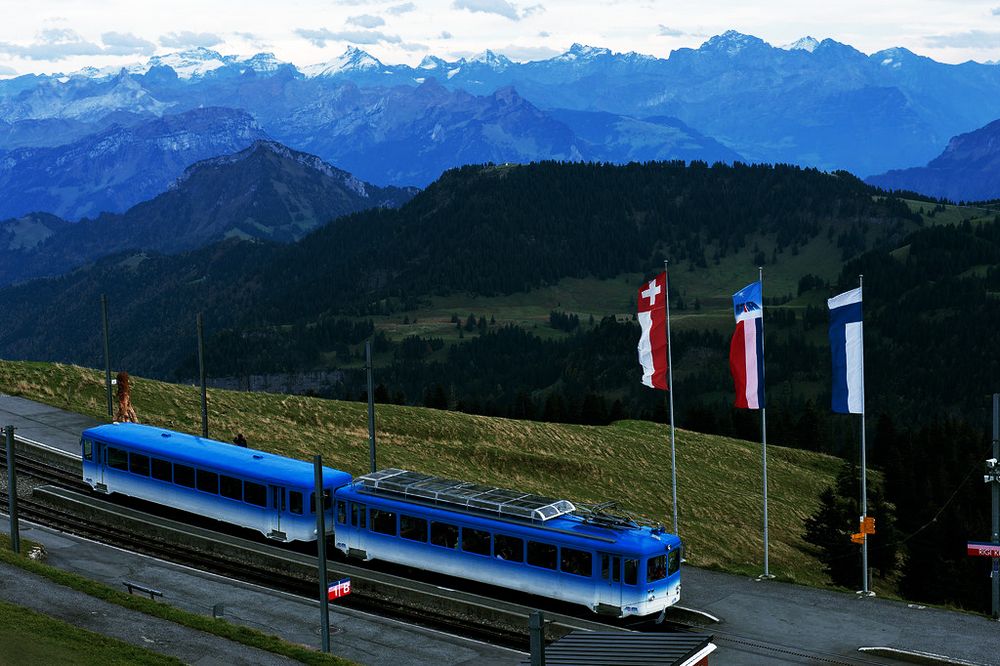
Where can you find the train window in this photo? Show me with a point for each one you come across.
(161, 470)
(443, 534)
(605, 567)
(576, 562)
(656, 568)
(207, 482)
(616, 569)
(341, 512)
(184, 476)
(414, 529)
(631, 572)
(673, 562)
(475, 541)
(327, 501)
(383, 522)
(254, 493)
(542, 555)
(508, 548)
(231, 487)
(138, 464)
(358, 515)
(295, 502)
(117, 458)
(88, 450)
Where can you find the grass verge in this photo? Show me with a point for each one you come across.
(237, 633)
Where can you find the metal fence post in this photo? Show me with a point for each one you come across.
(15, 537)
(201, 376)
(536, 627)
(371, 405)
(324, 605)
(107, 354)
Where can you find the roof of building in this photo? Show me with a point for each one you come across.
(587, 648)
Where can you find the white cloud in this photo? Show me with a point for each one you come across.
(544, 33)
(61, 43)
(995, 11)
(445, 35)
(185, 39)
(366, 21)
(523, 53)
(533, 9)
(975, 39)
(322, 36)
(401, 9)
(125, 43)
(7, 71)
(666, 31)
(498, 7)
(413, 46)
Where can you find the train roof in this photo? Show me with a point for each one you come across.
(215, 455)
(565, 528)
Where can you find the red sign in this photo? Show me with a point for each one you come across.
(980, 549)
(339, 589)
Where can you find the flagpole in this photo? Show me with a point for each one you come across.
(864, 473)
(763, 421)
(670, 386)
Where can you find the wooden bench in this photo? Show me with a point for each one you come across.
(142, 588)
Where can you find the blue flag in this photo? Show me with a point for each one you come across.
(847, 346)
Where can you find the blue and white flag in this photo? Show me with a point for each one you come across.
(847, 345)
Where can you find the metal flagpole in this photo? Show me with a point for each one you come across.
(864, 473)
(763, 420)
(371, 406)
(670, 386)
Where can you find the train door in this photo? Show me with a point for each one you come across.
(609, 589)
(97, 453)
(278, 508)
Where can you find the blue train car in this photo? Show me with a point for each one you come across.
(242, 486)
(524, 542)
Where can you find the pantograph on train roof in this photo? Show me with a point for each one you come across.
(463, 495)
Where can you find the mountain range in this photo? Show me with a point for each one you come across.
(118, 167)
(814, 103)
(266, 191)
(967, 170)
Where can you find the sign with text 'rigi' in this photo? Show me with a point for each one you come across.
(339, 589)
(983, 549)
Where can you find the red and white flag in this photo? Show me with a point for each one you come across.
(653, 341)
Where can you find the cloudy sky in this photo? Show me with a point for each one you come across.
(65, 35)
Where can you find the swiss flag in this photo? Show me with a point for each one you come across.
(653, 341)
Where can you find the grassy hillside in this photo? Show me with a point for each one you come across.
(719, 479)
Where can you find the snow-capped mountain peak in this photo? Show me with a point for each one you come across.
(583, 52)
(261, 62)
(353, 59)
(495, 61)
(190, 63)
(433, 62)
(806, 43)
(732, 43)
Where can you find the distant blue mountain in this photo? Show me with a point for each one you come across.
(967, 170)
(117, 167)
(814, 103)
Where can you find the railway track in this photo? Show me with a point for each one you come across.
(62, 475)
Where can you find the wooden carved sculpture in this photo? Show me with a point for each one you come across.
(125, 411)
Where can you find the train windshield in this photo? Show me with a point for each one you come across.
(656, 568)
(673, 561)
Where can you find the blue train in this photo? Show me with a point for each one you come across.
(525, 542)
